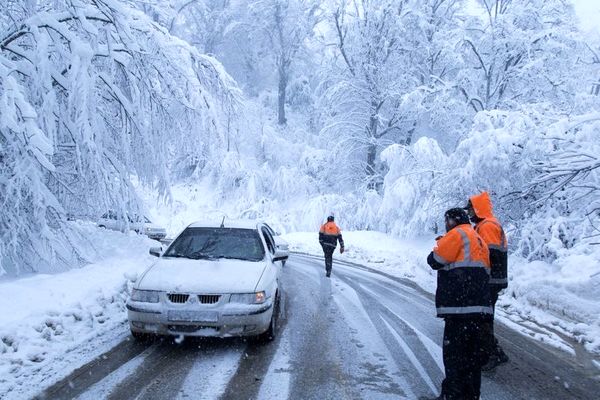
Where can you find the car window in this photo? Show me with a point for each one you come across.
(215, 243)
(269, 240)
(271, 231)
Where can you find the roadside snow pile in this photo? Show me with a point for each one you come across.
(546, 301)
(563, 295)
(44, 319)
(401, 258)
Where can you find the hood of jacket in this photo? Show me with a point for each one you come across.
(482, 205)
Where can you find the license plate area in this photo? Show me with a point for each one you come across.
(192, 316)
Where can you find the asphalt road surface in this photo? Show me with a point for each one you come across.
(358, 335)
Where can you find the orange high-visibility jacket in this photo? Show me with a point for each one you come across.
(330, 234)
(492, 233)
(463, 265)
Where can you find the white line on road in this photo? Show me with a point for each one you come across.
(433, 348)
(411, 356)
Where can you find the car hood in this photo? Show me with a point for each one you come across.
(202, 276)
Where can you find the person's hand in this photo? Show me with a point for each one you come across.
(341, 250)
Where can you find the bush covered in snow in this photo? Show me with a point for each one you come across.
(542, 173)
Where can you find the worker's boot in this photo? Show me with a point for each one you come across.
(499, 357)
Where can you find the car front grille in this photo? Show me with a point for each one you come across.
(209, 298)
(178, 297)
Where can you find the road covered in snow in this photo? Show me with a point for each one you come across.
(359, 335)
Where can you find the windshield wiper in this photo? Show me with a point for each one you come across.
(176, 255)
(201, 256)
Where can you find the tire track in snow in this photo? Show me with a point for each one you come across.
(163, 362)
(210, 373)
(94, 371)
(389, 380)
(408, 349)
(101, 389)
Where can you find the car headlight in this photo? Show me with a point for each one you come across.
(144, 296)
(248, 298)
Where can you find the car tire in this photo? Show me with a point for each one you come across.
(270, 334)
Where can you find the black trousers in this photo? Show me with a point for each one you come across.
(328, 250)
(464, 354)
(493, 348)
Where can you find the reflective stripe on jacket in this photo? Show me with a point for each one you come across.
(493, 235)
(462, 260)
(330, 234)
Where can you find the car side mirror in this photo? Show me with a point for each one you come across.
(155, 251)
(280, 256)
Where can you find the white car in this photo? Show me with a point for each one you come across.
(119, 222)
(214, 279)
(280, 243)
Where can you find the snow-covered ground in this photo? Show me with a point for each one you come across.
(54, 323)
(549, 302)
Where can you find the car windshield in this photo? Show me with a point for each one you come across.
(215, 243)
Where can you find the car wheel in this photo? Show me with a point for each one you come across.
(271, 333)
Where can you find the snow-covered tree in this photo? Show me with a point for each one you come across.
(93, 93)
(519, 52)
(390, 78)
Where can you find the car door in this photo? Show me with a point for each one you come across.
(271, 247)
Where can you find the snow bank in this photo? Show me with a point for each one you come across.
(544, 300)
(402, 258)
(46, 319)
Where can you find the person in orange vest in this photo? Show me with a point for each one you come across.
(462, 299)
(479, 208)
(329, 236)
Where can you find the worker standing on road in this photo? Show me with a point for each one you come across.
(329, 235)
(487, 226)
(463, 299)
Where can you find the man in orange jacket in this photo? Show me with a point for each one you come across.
(487, 226)
(329, 235)
(462, 298)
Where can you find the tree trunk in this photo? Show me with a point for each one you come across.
(371, 156)
(281, 98)
(372, 136)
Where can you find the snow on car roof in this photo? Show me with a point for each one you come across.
(228, 223)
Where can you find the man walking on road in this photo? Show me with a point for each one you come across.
(329, 235)
(462, 298)
(487, 226)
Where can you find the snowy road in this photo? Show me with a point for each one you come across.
(359, 335)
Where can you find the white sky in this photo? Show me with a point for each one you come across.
(589, 13)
